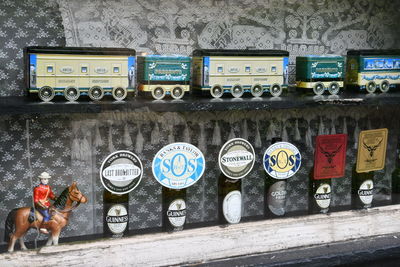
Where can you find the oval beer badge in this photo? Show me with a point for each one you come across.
(178, 165)
(282, 160)
(177, 212)
(117, 219)
(121, 172)
(232, 207)
(236, 158)
(323, 196)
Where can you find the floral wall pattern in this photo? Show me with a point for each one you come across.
(28, 147)
(179, 27)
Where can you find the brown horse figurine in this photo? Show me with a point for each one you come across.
(17, 219)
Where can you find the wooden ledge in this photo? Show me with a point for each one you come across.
(210, 243)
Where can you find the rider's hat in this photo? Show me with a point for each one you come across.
(44, 175)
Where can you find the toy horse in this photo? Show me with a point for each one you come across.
(17, 222)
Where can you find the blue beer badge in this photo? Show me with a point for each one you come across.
(178, 165)
(121, 172)
(236, 158)
(282, 160)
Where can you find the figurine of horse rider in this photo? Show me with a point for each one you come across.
(41, 195)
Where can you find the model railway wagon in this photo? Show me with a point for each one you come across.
(164, 75)
(373, 69)
(72, 72)
(240, 71)
(320, 73)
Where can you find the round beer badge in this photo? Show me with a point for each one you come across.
(236, 158)
(282, 160)
(121, 172)
(178, 165)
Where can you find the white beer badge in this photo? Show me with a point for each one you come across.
(178, 165)
(236, 158)
(323, 196)
(366, 192)
(232, 207)
(117, 219)
(282, 160)
(177, 212)
(121, 172)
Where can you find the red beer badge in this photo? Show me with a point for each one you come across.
(330, 156)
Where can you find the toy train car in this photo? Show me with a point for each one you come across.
(72, 72)
(320, 73)
(373, 69)
(96, 72)
(240, 71)
(164, 75)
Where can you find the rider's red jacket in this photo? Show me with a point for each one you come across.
(43, 192)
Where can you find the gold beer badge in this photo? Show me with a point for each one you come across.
(371, 150)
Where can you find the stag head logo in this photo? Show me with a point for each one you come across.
(372, 149)
(179, 205)
(325, 189)
(369, 186)
(330, 155)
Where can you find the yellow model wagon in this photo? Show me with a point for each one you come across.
(239, 71)
(72, 72)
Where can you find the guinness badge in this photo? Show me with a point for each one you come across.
(323, 196)
(121, 172)
(117, 219)
(236, 158)
(177, 212)
(371, 150)
(282, 160)
(330, 156)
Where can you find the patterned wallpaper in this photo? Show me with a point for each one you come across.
(179, 27)
(83, 141)
(25, 23)
(171, 26)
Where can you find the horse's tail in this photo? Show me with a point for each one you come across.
(9, 225)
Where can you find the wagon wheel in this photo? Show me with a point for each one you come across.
(276, 90)
(96, 93)
(46, 93)
(257, 90)
(177, 92)
(119, 93)
(71, 93)
(385, 86)
(158, 93)
(334, 88)
(319, 88)
(371, 87)
(217, 91)
(237, 91)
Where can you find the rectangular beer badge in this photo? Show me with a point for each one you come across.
(330, 156)
(371, 150)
